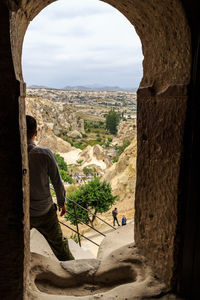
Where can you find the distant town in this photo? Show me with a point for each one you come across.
(95, 103)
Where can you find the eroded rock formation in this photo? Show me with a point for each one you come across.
(127, 131)
(59, 117)
(122, 174)
(95, 157)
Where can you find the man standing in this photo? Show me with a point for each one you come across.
(43, 216)
(114, 214)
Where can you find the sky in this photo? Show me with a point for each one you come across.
(81, 42)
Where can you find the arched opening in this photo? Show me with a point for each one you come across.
(160, 135)
(69, 52)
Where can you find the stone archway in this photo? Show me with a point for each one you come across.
(162, 104)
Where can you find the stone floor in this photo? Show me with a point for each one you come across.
(119, 272)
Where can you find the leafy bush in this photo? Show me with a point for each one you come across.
(120, 149)
(115, 159)
(69, 179)
(63, 175)
(60, 161)
(88, 171)
(79, 161)
(63, 168)
(107, 143)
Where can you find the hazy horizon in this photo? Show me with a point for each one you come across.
(92, 86)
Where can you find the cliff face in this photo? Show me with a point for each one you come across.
(53, 119)
(122, 175)
(95, 157)
(127, 131)
(48, 139)
(58, 116)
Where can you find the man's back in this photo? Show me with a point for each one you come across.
(43, 214)
(114, 213)
(43, 166)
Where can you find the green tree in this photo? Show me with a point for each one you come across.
(61, 163)
(63, 175)
(62, 168)
(95, 196)
(112, 120)
(69, 179)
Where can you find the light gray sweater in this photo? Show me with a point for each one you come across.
(42, 166)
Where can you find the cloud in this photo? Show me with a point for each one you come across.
(73, 8)
(72, 42)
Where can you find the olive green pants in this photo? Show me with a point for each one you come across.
(49, 226)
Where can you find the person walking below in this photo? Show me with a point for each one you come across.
(43, 215)
(114, 214)
(124, 221)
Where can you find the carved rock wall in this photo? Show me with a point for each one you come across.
(122, 174)
(161, 120)
(165, 36)
(11, 208)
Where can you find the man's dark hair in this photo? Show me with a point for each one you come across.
(31, 126)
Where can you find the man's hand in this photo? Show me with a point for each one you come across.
(62, 210)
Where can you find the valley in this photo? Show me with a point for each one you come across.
(73, 125)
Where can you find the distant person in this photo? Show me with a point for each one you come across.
(124, 221)
(114, 214)
(43, 215)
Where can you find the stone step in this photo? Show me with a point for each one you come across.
(78, 252)
(38, 244)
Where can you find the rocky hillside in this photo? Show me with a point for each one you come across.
(58, 118)
(95, 157)
(90, 157)
(54, 119)
(127, 131)
(122, 174)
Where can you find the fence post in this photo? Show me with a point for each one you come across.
(79, 240)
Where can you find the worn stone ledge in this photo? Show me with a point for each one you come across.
(178, 90)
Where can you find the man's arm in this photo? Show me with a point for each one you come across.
(57, 182)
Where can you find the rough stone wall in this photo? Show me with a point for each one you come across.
(25, 184)
(161, 121)
(11, 210)
(162, 104)
(165, 38)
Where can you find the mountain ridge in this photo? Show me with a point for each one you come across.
(86, 88)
